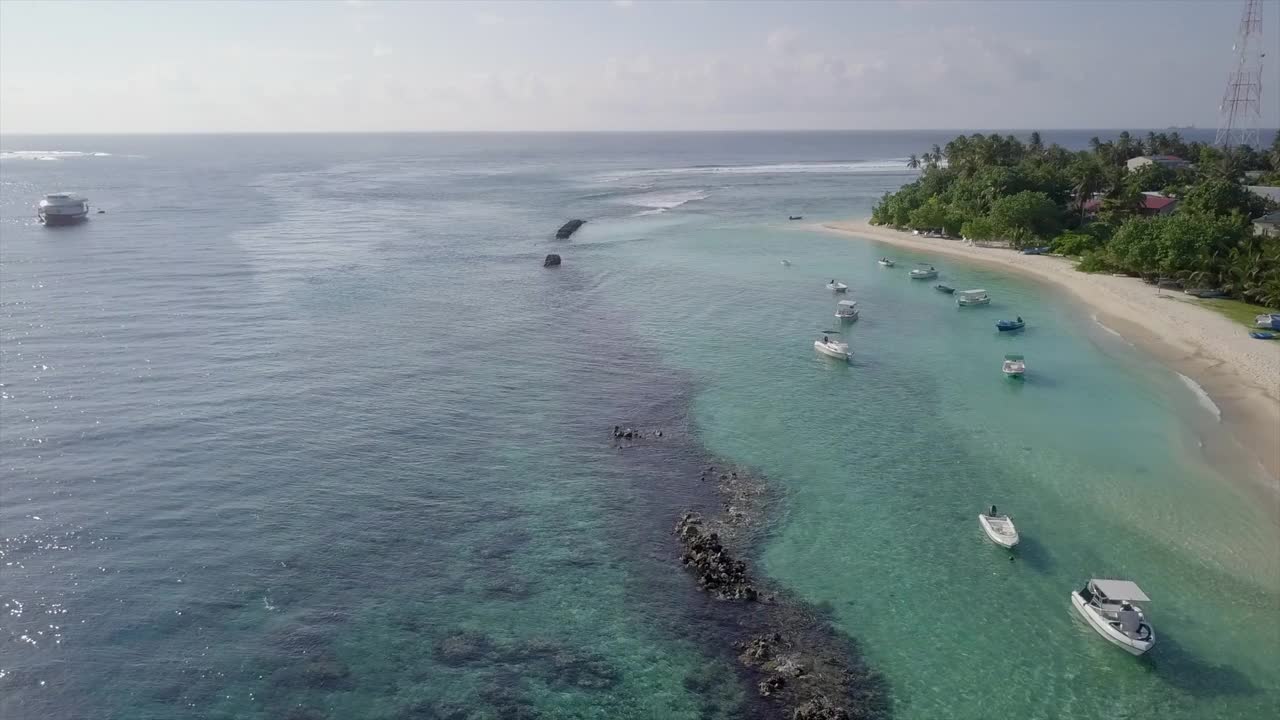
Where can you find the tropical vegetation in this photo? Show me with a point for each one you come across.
(1088, 204)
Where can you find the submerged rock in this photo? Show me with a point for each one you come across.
(466, 646)
(568, 229)
(552, 260)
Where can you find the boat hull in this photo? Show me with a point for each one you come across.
(1105, 629)
(848, 318)
(838, 288)
(1004, 541)
(923, 276)
(973, 303)
(831, 352)
(63, 218)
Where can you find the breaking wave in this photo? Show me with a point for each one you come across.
(1201, 395)
(660, 202)
(828, 168)
(48, 154)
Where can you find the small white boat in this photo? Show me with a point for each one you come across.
(967, 298)
(999, 528)
(1107, 605)
(886, 262)
(832, 347)
(1270, 321)
(62, 209)
(834, 286)
(847, 310)
(922, 273)
(786, 263)
(1014, 366)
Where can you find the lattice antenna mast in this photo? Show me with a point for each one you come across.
(1241, 109)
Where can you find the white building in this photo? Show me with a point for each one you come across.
(1173, 162)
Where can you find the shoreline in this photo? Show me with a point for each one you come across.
(1241, 375)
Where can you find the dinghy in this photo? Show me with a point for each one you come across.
(999, 528)
(831, 347)
(834, 286)
(1010, 325)
(886, 262)
(1014, 366)
(944, 289)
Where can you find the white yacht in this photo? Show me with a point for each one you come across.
(834, 286)
(62, 208)
(999, 528)
(832, 347)
(847, 309)
(924, 273)
(967, 298)
(1108, 607)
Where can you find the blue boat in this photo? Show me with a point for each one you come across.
(1010, 325)
(1263, 335)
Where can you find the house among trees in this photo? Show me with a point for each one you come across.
(1268, 225)
(1169, 162)
(1150, 204)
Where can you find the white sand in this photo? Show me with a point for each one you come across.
(1240, 374)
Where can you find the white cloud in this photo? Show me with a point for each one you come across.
(623, 3)
(488, 18)
(380, 50)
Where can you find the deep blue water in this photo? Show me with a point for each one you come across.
(300, 414)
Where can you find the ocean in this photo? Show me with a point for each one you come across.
(300, 427)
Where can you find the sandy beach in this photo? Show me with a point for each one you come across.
(1240, 374)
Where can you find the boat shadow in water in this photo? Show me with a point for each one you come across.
(1174, 664)
(1034, 554)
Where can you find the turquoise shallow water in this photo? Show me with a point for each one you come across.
(302, 428)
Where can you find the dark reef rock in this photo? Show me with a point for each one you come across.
(568, 229)
(820, 708)
(717, 571)
(628, 435)
(552, 260)
(770, 686)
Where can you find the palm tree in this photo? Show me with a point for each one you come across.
(1035, 143)
(1087, 179)
(1124, 145)
(913, 162)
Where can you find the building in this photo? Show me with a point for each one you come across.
(1172, 162)
(1266, 191)
(1152, 204)
(1268, 224)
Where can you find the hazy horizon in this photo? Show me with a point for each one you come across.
(363, 67)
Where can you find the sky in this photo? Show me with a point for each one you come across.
(363, 65)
